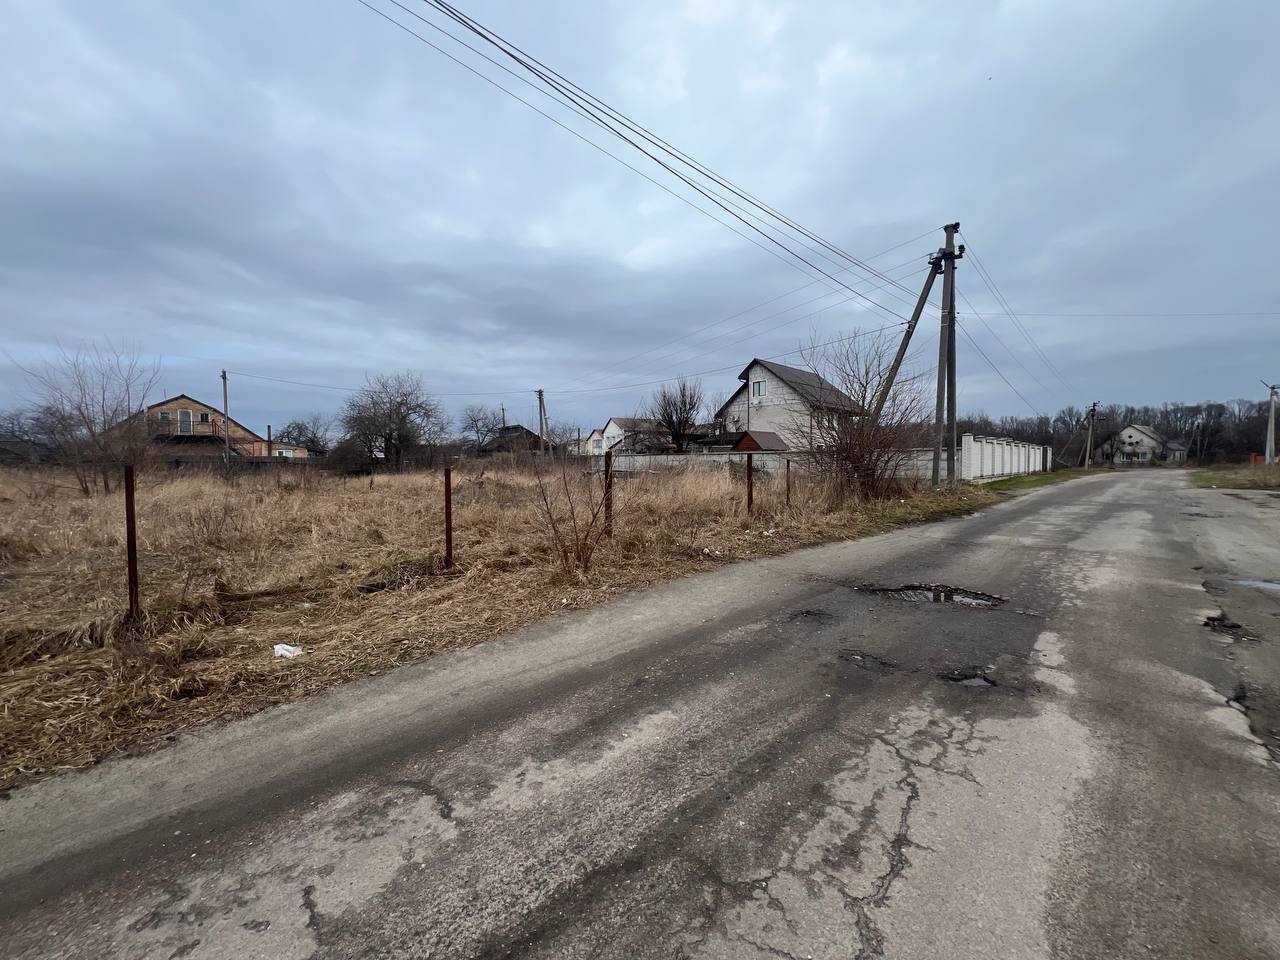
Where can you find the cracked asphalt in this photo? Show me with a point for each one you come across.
(764, 761)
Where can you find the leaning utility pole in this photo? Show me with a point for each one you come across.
(1271, 422)
(226, 422)
(945, 408)
(935, 268)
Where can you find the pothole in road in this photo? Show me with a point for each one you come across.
(967, 678)
(1221, 623)
(939, 593)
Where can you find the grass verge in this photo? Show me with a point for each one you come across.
(1031, 481)
(1239, 477)
(347, 570)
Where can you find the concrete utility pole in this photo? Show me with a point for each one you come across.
(935, 263)
(1088, 443)
(226, 422)
(1271, 422)
(542, 422)
(945, 408)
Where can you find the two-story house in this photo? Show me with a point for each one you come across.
(191, 428)
(786, 401)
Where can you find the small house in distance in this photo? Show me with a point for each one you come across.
(782, 401)
(515, 438)
(634, 435)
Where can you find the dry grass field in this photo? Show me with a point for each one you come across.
(348, 571)
(1239, 477)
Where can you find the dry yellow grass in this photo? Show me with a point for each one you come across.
(349, 572)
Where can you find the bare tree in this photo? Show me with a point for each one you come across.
(842, 441)
(392, 415)
(677, 407)
(314, 432)
(480, 424)
(89, 404)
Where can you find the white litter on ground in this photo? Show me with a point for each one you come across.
(285, 650)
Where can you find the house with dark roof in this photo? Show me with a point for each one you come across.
(783, 402)
(1138, 444)
(514, 438)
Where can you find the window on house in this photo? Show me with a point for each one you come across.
(758, 388)
(164, 415)
(204, 418)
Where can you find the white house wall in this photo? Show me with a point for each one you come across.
(780, 411)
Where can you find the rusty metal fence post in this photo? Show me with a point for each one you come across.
(788, 483)
(448, 518)
(131, 543)
(750, 484)
(608, 493)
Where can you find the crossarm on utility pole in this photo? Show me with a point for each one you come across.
(935, 267)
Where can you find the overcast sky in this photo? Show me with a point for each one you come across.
(300, 190)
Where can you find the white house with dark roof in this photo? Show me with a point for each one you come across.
(1139, 443)
(782, 400)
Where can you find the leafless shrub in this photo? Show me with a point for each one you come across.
(89, 406)
(571, 507)
(676, 408)
(863, 456)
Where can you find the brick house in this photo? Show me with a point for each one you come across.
(188, 427)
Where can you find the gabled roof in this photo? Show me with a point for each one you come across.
(207, 406)
(815, 390)
(1149, 431)
(635, 423)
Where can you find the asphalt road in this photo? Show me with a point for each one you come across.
(765, 761)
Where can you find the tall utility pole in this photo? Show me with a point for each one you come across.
(1271, 421)
(1087, 457)
(542, 422)
(945, 408)
(226, 422)
(503, 408)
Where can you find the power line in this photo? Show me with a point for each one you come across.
(720, 336)
(1004, 303)
(1007, 348)
(587, 100)
(983, 353)
(589, 111)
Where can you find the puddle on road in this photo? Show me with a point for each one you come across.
(1272, 586)
(939, 593)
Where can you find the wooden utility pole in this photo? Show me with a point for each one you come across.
(226, 422)
(503, 408)
(1270, 456)
(935, 264)
(944, 421)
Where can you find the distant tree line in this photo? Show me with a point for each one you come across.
(1213, 431)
